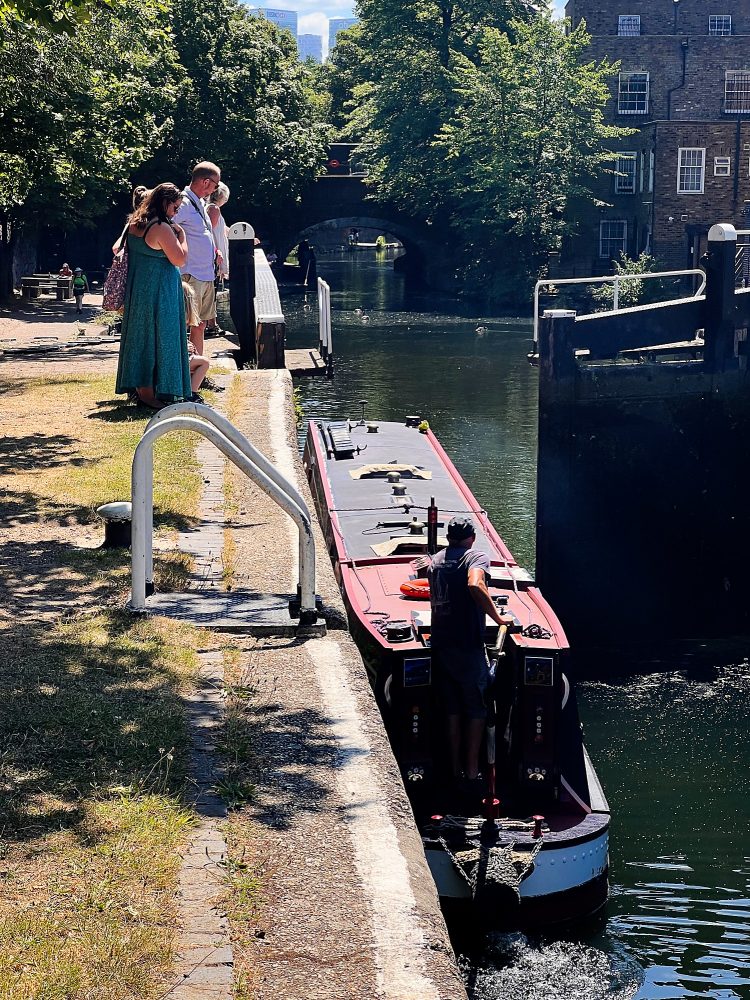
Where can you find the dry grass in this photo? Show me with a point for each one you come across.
(68, 444)
(93, 763)
(93, 737)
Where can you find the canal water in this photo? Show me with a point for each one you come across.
(672, 749)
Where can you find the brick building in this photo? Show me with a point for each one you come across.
(684, 84)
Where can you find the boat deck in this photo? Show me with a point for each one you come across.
(376, 547)
(365, 505)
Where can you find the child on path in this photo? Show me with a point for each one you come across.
(80, 285)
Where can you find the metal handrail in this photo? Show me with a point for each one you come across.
(239, 441)
(616, 279)
(142, 499)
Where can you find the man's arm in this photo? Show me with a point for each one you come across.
(481, 596)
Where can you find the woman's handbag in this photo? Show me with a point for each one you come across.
(117, 276)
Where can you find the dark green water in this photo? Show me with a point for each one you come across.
(672, 749)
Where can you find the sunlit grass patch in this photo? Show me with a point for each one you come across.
(92, 765)
(77, 452)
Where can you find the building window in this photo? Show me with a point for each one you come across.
(651, 161)
(625, 173)
(642, 173)
(613, 237)
(737, 91)
(722, 166)
(720, 24)
(690, 170)
(632, 96)
(629, 24)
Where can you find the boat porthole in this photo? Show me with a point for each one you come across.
(387, 689)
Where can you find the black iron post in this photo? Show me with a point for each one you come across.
(242, 289)
(718, 351)
(557, 382)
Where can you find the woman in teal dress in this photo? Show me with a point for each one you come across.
(153, 359)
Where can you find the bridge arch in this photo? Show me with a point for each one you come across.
(414, 253)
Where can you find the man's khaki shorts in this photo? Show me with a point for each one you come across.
(205, 296)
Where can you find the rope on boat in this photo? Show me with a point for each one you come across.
(487, 869)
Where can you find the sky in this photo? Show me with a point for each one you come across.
(314, 14)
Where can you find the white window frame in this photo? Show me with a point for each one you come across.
(651, 166)
(643, 171)
(722, 166)
(623, 240)
(625, 171)
(626, 22)
(684, 156)
(632, 102)
(720, 25)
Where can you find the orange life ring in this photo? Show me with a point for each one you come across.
(416, 590)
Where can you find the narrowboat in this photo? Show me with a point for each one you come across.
(533, 850)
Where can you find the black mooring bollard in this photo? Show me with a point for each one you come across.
(117, 517)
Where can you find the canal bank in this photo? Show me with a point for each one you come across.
(324, 887)
(346, 906)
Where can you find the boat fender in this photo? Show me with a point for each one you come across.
(416, 590)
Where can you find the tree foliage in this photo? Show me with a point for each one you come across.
(527, 135)
(77, 114)
(409, 53)
(62, 16)
(483, 118)
(141, 91)
(248, 105)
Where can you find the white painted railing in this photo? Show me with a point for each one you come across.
(324, 324)
(202, 420)
(616, 280)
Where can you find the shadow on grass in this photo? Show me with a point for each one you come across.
(36, 452)
(117, 411)
(87, 707)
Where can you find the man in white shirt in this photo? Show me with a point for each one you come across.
(203, 257)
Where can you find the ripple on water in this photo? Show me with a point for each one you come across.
(514, 967)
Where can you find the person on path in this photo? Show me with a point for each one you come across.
(203, 258)
(153, 360)
(219, 198)
(80, 287)
(460, 602)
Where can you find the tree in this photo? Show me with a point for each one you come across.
(527, 135)
(248, 106)
(76, 115)
(410, 49)
(54, 15)
(338, 77)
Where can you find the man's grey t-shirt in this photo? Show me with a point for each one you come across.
(457, 620)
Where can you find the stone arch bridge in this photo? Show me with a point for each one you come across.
(338, 201)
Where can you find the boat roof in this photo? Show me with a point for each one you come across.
(371, 511)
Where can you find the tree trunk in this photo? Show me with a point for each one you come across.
(7, 244)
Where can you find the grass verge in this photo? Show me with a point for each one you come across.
(93, 763)
(93, 736)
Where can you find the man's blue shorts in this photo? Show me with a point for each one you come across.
(462, 680)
